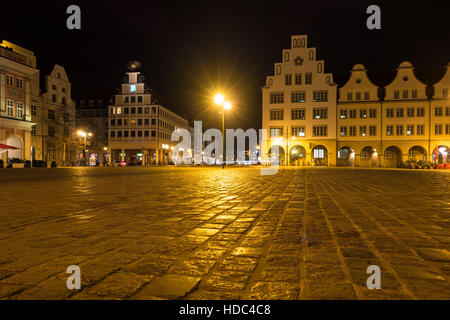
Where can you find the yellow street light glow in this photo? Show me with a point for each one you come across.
(81, 133)
(105, 148)
(219, 99)
(89, 134)
(227, 105)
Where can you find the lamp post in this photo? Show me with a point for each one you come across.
(84, 135)
(219, 99)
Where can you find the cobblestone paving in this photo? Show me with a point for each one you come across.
(208, 233)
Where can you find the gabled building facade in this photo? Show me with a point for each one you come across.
(299, 108)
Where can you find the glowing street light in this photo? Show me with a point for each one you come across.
(219, 99)
(84, 135)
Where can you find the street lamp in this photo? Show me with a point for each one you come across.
(219, 99)
(84, 135)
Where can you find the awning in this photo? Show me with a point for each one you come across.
(5, 147)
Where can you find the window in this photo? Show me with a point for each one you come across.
(445, 92)
(352, 114)
(308, 78)
(389, 130)
(298, 96)
(51, 131)
(447, 129)
(410, 130)
(146, 121)
(51, 114)
(389, 113)
(343, 131)
(414, 94)
(319, 68)
(276, 131)
(438, 112)
(400, 112)
(405, 94)
(373, 113)
(358, 96)
(133, 99)
(63, 101)
(363, 131)
(410, 112)
(286, 56)
(277, 97)
(311, 55)
(125, 134)
(373, 130)
(288, 79)
(278, 70)
(399, 130)
(133, 110)
(119, 122)
(298, 114)
(349, 96)
(320, 95)
(33, 110)
(140, 99)
(139, 133)
(127, 100)
(33, 130)
(320, 113)
(19, 83)
(66, 117)
(396, 94)
(420, 129)
(153, 133)
(366, 95)
(447, 112)
(320, 131)
(63, 90)
(319, 154)
(420, 112)
(139, 110)
(298, 131)
(153, 122)
(19, 109)
(146, 133)
(9, 81)
(352, 131)
(139, 122)
(298, 78)
(113, 122)
(363, 113)
(438, 129)
(119, 134)
(343, 114)
(112, 134)
(54, 97)
(133, 133)
(276, 114)
(133, 88)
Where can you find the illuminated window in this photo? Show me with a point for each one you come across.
(133, 88)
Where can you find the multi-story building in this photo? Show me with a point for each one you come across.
(92, 117)
(440, 119)
(358, 118)
(54, 130)
(299, 108)
(139, 130)
(19, 93)
(408, 124)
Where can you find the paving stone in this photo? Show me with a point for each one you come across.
(274, 291)
(169, 287)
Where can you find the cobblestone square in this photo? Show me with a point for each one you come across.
(208, 233)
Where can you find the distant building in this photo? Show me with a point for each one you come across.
(92, 117)
(139, 130)
(299, 108)
(19, 96)
(55, 120)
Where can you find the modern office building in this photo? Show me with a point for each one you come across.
(299, 108)
(140, 130)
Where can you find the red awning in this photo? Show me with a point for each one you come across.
(6, 147)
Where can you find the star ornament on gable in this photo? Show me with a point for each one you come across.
(298, 61)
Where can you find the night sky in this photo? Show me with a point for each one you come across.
(190, 49)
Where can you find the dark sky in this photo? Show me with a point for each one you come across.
(189, 49)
